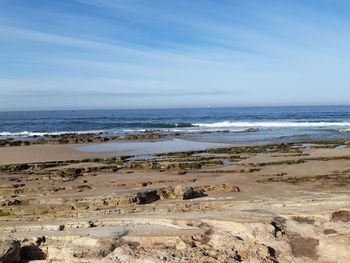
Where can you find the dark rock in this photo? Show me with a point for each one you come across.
(21, 167)
(251, 130)
(304, 220)
(31, 252)
(329, 231)
(147, 197)
(14, 202)
(187, 192)
(10, 251)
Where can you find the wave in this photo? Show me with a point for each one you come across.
(225, 126)
(344, 130)
(40, 134)
(169, 125)
(228, 124)
(193, 129)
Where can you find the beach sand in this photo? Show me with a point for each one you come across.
(47, 152)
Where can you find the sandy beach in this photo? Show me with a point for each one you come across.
(267, 203)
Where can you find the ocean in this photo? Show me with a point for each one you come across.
(224, 125)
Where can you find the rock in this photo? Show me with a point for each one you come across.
(10, 251)
(179, 192)
(329, 231)
(251, 130)
(14, 202)
(211, 253)
(185, 165)
(279, 231)
(304, 247)
(218, 187)
(187, 192)
(22, 167)
(166, 193)
(180, 245)
(142, 136)
(32, 252)
(147, 197)
(342, 215)
(304, 220)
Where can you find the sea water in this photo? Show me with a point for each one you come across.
(224, 125)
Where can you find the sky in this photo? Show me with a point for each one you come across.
(106, 54)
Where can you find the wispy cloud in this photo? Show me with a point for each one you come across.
(226, 52)
(99, 87)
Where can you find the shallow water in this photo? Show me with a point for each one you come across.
(147, 148)
(227, 162)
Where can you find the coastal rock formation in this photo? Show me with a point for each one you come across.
(10, 251)
(342, 216)
(270, 203)
(73, 138)
(188, 192)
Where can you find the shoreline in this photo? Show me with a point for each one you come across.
(61, 152)
(47, 152)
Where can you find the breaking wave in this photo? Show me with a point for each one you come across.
(32, 134)
(228, 124)
(225, 126)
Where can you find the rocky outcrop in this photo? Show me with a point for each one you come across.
(130, 210)
(147, 197)
(185, 166)
(187, 192)
(218, 187)
(73, 138)
(342, 216)
(179, 192)
(10, 251)
(32, 251)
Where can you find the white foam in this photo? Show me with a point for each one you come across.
(344, 130)
(228, 124)
(135, 130)
(31, 134)
(186, 129)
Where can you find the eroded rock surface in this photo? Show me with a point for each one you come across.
(271, 203)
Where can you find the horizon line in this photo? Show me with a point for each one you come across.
(179, 108)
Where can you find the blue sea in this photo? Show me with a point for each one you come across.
(226, 125)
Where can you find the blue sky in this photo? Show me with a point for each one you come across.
(87, 54)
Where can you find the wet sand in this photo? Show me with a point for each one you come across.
(40, 153)
(45, 152)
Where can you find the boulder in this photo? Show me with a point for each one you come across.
(187, 192)
(147, 197)
(10, 251)
(341, 215)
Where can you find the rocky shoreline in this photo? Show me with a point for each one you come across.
(73, 138)
(83, 138)
(266, 203)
